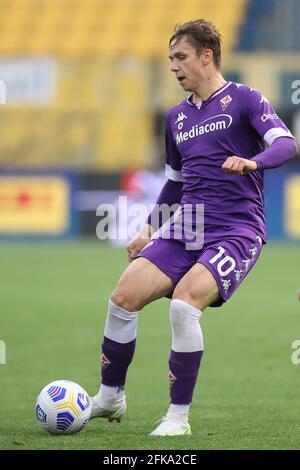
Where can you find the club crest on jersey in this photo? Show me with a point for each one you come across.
(179, 120)
(104, 361)
(225, 101)
(171, 378)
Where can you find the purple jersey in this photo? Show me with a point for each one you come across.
(235, 120)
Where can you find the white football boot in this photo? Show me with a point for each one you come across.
(112, 409)
(172, 425)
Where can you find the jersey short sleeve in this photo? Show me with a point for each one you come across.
(264, 119)
(173, 158)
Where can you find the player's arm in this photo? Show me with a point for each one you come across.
(139, 241)
(281, 143)
(235, 165)
(169, 196)
(280, 151)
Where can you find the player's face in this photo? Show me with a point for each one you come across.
(186, 64)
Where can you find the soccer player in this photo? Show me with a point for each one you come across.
(219, 141)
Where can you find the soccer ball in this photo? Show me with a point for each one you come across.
(63, 407)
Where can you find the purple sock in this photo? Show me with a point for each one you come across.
(115, 360)
(184, 368)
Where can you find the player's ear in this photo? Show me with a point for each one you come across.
(207, 56)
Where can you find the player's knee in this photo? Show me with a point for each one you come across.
(199, 300)
(195, 301)
(125, 299)
(177, 316)
(183, 318)
(187, 297)
(179, 312)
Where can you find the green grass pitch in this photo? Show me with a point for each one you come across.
(53, 307)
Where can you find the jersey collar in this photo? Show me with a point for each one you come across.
(217, 92)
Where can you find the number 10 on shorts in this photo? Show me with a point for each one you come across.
(224, 260)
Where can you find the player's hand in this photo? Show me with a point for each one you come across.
(238, 166)
(139, 242)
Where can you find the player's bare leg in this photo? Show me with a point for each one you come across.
(194, 292)
(140, 284)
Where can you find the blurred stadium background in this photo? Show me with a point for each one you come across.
(87, 86)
